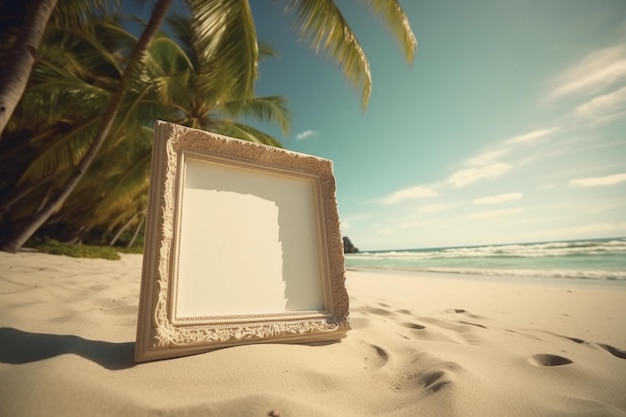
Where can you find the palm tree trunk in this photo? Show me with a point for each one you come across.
(22, 57)
(137, 230)
(122, 228)
(17, 240)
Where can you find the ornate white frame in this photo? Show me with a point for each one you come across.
(160, 333)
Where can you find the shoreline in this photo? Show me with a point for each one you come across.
(618, 285)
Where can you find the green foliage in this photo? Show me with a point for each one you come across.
(54, 247)
(202, 77)
(77, 71)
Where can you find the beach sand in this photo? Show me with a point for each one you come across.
(421, 345)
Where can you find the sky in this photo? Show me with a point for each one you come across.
(509, 126)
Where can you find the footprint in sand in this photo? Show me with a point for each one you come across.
(472, 324)
(546, 359)
(618, 353)
(429, 382)
(462, 311)
(428, 374)
(413, 326)
(434, 381)
(575, 339)
(450, 331)
(376, 310)
(376, 358)
(435, 332)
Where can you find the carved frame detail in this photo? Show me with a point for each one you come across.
(158, 335)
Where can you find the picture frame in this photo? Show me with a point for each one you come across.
(242, 245)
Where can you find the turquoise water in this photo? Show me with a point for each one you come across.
(598, 259)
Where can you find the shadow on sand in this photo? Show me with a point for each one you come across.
(18, 347)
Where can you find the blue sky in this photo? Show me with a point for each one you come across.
(509, 126)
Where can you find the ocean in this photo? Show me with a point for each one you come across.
(597, 259)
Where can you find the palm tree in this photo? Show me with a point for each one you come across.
(170, 83)
(56, 101)
(229, 25)
(16, 241)
(219, 110)
(72, 82)
(20, 58)
(78, 71)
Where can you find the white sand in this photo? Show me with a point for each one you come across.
(425, 345)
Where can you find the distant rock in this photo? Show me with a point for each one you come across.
(348, 247)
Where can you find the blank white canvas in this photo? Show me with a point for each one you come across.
(236, 226)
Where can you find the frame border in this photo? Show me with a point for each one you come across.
(158, 337)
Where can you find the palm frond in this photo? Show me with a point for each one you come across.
(224, 38)
(118, 176)
(166, 55)
(398, 23)
(126, 187)
(169, 70)
(180, 26)
(266, 109)
(78, 13)
(139, 110)
(267, 51)
(48, 77)
(322, 24)
(241, 131)
(60, 152)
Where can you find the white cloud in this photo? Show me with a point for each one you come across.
(494, 214)
(542, 154)
(593, 73)
(490, 157)
(598, 181)
(307, 134)
(529, 137)
(470, 175)
(497, 199)
(606, 106)
(486, 157)
(409, 194)
(432, 208)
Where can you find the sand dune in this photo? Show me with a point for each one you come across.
(420, 345)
